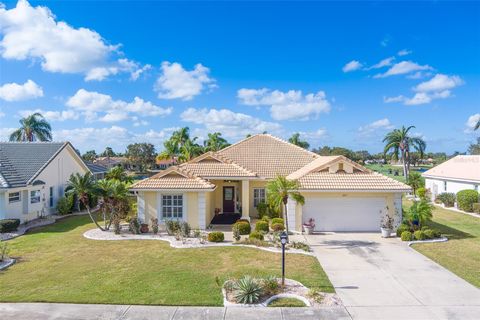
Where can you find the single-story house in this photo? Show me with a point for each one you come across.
(110, 162)
(33, 176)
(340, 194)
(98, 171)
(456, 174)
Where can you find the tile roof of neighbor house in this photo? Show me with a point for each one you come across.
(460, 167)
(20, 162)
(173, 178)
(95, 167)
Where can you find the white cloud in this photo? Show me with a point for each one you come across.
(92, 103)
(52, 115)
(384, 63)
(2, 114)
(33, 33)
(404, 52)
(403, 67)
(374, 127)
(472, 122)
(177, 83)
(399, 98)
(5, 133)
(229, 123)
(439, 82)
(20, 92)
(419, 98)
(286, 105)
(352, 66)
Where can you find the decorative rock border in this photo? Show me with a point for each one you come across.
(7, 263)
(442, 239)
(97, 234)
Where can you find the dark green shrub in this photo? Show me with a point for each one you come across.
(419, 235)
(216, 236)
(244, 227)
(406, 236)
(476, 207)
(466, 199)
(436, 233)
(273, 212)
(256, 235)
(261, 226)
(401, 228)
(9, 225)
(429, 234)
(447, 198)
(65, 205)
(262, 209)
(278, 227)
(172, 227)
(278, 220)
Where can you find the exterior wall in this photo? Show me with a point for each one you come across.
(436, 186)
(209, 207)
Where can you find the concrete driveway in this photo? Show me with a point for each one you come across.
(385, 279)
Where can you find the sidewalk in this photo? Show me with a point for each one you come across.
(43, 311)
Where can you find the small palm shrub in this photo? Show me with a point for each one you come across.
(247, 290)
(172, 227)
(278, 227)
(447, 198)
(216, 236)
(256, 235)
(270, 285)
(422, 193)
(236, 232)
(466, 199)
(243, 227)
(261, 226)
(419, 235)
(278, 220)
(406, 236)
(134, 226)
(154, 225)
(262, 209)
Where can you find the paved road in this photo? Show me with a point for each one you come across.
(42, 311)
(385, 279)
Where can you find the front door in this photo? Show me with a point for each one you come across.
(228, 199)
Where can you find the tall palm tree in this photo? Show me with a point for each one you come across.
(295, 139)
(181, 136)
(398, 142)
(190, 150)
(83, 187)
(104, 189)
(33, 127)
(415, 181)
(170, 151)
(215, 142)
(119, 174)
(278, 192)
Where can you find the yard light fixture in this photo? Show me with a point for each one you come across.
(283, 240)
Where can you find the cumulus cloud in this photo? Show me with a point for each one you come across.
(403, 67)
(20, 92)
(472, 122)
(292, 104)
(383, 63)
(34, 33)
(375, 127)
(102, 107)
(229, 123)
(177, 83)
(352, 66)
(404, 52)
(52, 115)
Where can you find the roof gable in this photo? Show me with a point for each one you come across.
(465, 167)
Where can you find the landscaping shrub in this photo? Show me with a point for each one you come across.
(262, 209)
(429, 234)
(436, 233)
(422, 192)
(134, 226)
(243, 227)
(65, 205)
(266, 219)
(277, 220)
(185, 229)
(466, 199)
(256, 235)
(278, 227)
(9, 225)
(447, 198)
(476, 207)
(116, 225)
(247, 290)
(255, 242)
(154, 225)
(242, 220)
(273, 212)
(261, 226)
(419, 235)
(401, 228)
(216, 236)
(406, 236)
(236, 232)
(270, 285)
(299, 245)
(172, 227)
(315, 294)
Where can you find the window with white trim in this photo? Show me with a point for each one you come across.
(172, 206)
(14, 197)
(35, 196)
(258, 196)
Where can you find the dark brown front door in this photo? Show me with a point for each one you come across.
(228, 199)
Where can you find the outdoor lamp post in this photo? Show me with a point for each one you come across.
(283, 240)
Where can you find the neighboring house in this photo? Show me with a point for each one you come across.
(99, 172)
(164, 164)
(340, 194)
(456, 174)
(33, 176)
(110, 162)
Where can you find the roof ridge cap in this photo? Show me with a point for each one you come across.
(289, 143)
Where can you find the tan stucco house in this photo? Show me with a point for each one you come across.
(340, 194)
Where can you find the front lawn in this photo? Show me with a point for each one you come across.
(461, 254)
(57, 264)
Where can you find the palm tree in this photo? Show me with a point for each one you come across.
(170, 151)
(295, 139)
(83, 187)
(104, 188)
(33, 127)
(278, 192)
(181, 136)
(190, 150)
(399, 141)
(119, 174)
(415, 181)
(421, 212)
(215, 142)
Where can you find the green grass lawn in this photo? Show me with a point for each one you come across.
(287, 302)
(384, 169)
(57, 264)
(461, 254)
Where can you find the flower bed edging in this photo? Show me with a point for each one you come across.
(7, 263)
(288, 295)
(442, 239)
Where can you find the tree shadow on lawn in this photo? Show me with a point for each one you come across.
(449, 232)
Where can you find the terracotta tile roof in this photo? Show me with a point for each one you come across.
(173, 178)
(216, 169)
(325, 181)
(267, 155)
(459, 167)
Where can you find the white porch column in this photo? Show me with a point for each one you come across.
(202, 211)
(291, 206)
(141, 207)
(246, 199)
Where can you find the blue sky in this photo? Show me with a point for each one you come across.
(112, 73)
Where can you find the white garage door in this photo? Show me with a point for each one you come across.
(344, 214)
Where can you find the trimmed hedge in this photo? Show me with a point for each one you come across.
(429, 234)
(216, 236)
(262, 209)
(9, 225)
(406, 236)
(256, 235)
(466, 199)
(401, 228)
(277, 220)
(261, 226)
(278, 227)
(243, 227)
(419, 235)
(447, 198)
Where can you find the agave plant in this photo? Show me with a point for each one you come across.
(247, 290)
